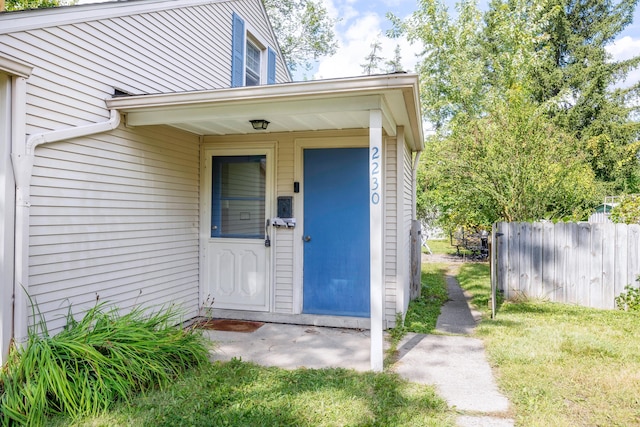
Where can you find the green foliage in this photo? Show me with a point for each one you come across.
(520, 60)
(237, 393)
(576, 77)
(36, 4)
(373, 59)
(512, 164)
(451, 71)
(627, 210)
(304, 30)
(394, 65)
(629, 300)
(94, 362)
(423, 312)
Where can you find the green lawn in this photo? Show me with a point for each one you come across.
(424, 311)
(243, 394)
(561, 365)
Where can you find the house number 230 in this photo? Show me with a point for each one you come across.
(375, 173)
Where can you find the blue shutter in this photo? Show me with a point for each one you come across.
(271, 66)
(237, 52)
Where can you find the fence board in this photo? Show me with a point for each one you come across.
(513, 261)
(594, 293)
(548, 260)
(525, 258)
(622, 237)
(560, 250)
(502, 237)
(579, 263)
(537, 272)
(633, 264)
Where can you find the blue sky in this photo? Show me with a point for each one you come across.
(361, 21)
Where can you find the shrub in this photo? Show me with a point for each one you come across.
(94, 362)
(629, 300)
(627, 211)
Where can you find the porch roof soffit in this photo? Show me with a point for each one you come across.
(304, 106)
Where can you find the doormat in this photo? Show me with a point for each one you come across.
(229, 325)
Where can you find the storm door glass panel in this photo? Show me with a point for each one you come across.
(238, 197)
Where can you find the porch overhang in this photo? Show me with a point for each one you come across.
(289, 107)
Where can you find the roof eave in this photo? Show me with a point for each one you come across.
(407, 84)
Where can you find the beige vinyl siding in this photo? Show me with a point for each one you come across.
(392, 228)
(284, 253)
(408, 200)
(78, 65)
(115, 218)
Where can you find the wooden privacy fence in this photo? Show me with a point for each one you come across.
(588, 264)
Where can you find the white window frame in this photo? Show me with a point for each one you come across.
(250, 38)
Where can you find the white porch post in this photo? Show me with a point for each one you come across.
(22, 166)
(7, 215)
(376, 250)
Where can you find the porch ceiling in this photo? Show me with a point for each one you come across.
(304, 106)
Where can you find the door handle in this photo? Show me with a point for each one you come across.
(267, 240)
(307, 238)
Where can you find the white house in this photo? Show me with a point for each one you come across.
(130, 171)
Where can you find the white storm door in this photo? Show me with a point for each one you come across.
(237, 256)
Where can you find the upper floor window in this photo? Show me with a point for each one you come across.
(252, 76)
(252, 64)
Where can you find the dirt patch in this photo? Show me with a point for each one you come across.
(229, 325)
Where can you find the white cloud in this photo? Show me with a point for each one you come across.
(626, 48)
(355, 36)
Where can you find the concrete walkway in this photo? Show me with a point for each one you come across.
(454, 363)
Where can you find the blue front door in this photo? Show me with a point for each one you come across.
(336, 232)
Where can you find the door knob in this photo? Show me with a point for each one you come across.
(307, 238)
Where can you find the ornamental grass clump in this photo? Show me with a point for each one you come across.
(94, 362)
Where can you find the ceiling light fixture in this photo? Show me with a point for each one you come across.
(259, 124)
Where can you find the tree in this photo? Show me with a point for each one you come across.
(373, 60)
(395, 65)
(576, 78)
(304, 30)
(552, 54)
(627, 210)
(451, 69)
(512, 164)
(35, 4)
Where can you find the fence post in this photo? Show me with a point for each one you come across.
(493, 268)
(416, 260)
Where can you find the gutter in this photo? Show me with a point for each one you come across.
(22, 157)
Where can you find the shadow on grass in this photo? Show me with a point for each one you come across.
(236, 393)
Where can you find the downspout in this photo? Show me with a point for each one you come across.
(22, 157)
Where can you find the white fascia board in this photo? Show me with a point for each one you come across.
(309, 89)
(24, 20)
(15, 67)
